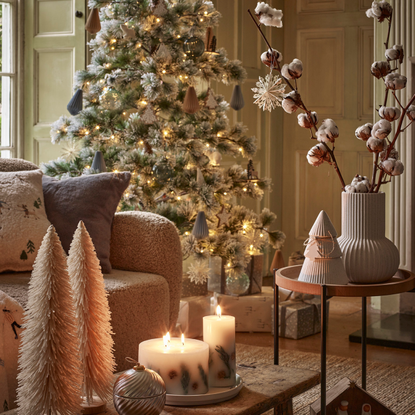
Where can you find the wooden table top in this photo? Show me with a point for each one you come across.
(265, 386)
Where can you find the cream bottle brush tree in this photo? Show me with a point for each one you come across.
(144, 108)
(50, 378)
(92, 316)
(268, 96)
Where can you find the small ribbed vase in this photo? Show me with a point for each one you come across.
(369, 257)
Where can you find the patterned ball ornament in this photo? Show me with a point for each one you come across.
(110, 99)
(193, 47)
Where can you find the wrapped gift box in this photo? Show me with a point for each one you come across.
(191, 313)
(190, 289)
(299, 319)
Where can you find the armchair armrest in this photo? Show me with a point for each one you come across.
(146, 242)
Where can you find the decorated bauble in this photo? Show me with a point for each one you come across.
(163, 172)
(236, 284)
(193, 47)
(110, 99)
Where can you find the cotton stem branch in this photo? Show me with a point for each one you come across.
(389, 31)
(375, 167)
(334, 162)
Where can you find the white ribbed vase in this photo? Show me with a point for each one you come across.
(368, 256)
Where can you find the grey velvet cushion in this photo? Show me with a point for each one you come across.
(91, 198)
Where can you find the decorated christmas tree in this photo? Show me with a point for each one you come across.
(147, 103)
(50, 377)
(93, 317)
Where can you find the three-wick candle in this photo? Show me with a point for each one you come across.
(219, 334)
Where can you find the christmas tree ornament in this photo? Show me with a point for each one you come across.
(323, 263)
(49, 342)
(200, 229)
(251, 173)
(210, 42)
(200, 180)
(163, 52)
(237, 99)
(110, 99)
(98, 164)
(193, 47)
(191, 102)
(223, 217)
(96, 344)
(269, 92)
(210, 100)
(129, 33)
(139, 391)
(236, 284)
(75, 104)
(158, 8)
(93, 24)
(70, 150)
(149, 116)
(215, 157)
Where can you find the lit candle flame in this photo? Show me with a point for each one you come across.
(165, 341)
(218, 311)
(168, 337)
(183, 339)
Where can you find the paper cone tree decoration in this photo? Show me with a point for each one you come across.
(149, 116)
(323, 263)
(191, 103)
(98, 164)
(93, 317)
(50, 378)
(200, 180)
(93, 25)
(75, 104)
(277, 262)
(210, 100)
(237, 99)
(200, 230)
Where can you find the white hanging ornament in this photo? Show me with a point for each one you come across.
(149, 116)
(191, 103)
(210, 100)
(163, 52)
(215, 157)
(158, 8)
(200, 180)
(269, 92)
(110, 99)
(128, 32)
(223, 217)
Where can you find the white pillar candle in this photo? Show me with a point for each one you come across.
(183, 367)
(219, 334)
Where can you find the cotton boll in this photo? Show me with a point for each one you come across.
(317, 155)
(291, 102)
(364, 131)
(361, 188)
(410, 112)
(398, 169)
(328, 131)
(294, 70)
(395, 81)
(394, 154)
(381, 129)
(270, 58)
(375, 145)
(388, 165)
(379, 10)
(267, 15)
(395, 53)
(380, 69)
(307, 121)
(389, 113)
(350, 189)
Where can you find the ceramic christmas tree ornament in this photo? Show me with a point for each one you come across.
(93, 24)
(200, 230)
(75, 104)
(199, 178)
(191, 103)
(210, 100)
(98, 164)
(323, 263)
(149, 116)
(158, 8)
(237, 99)
(164, 53)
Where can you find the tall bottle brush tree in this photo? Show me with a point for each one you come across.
(139, 111)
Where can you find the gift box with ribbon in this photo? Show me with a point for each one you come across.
(191, 313)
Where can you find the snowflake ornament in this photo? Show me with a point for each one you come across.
(70, 150)
(269, 92)
(199, 272)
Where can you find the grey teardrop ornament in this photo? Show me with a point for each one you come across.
(237, 100)
(98, 164)
(75, 104)
(200, 230)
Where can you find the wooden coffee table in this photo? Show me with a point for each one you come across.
(265, 387)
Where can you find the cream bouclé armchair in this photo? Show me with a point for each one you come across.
(144, 287)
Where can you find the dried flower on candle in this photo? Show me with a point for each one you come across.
(395, 81)
(267, 15)
(364, 131)
(389, 113)
(380, 10)
(328, 131)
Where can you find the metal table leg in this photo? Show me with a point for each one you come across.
(364, 328)
(323, 349)
(276, 324)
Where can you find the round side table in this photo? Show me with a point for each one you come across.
(287, 278)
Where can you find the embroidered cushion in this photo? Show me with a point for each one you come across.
(23, 220)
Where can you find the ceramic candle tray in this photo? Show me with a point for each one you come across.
(214, 395)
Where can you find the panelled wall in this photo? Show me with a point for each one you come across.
(54, 50)
(334, 40)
